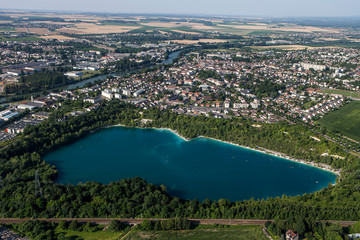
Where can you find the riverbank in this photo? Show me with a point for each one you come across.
(322, 166)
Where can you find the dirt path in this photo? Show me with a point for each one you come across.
(127, 234)
(266, 233)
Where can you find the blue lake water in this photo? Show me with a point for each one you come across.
(200, 168)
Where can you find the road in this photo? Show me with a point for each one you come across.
(133, 221)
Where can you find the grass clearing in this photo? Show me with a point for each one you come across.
(89, 74)
(346, 120)
(98, 235)
(309, 104)
(143, 29)
(244, 233)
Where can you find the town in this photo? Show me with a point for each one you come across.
(262, 86)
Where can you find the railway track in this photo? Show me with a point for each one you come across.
(134, 221)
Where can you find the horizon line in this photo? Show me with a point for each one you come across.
(169, 14)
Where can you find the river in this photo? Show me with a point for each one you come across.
(81, 84)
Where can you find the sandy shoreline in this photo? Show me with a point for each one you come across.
(322, 166)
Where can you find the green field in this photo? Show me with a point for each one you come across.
(245, 233)
(346, 120)
(309, 104)
(121, 24)
(22, 39)
(7, 30)
(342, 92)
(202, 232)
(98, 235)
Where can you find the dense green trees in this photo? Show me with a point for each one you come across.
(36, 230)
(38, 81)
(117, 226)
(126, 64)
(307, 228)
(204, 74)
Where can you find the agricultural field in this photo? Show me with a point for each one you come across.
(58, 37)
(243, 233)
(346, 120)
(92, 24)
(200, 40)
(21, 39)
(341, 92)
(7, 30)
(185, 32)
(91, 28)
(38, 31)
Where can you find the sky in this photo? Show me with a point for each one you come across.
(271, 8)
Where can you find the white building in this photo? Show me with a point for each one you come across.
(92, 100)
(254, 104)
(117, 95)
(107, 94)
(126, 92)
(240, 105)
(138, 92)
(307, 66)
(74, 74)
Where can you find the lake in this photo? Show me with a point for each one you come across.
(200, 168)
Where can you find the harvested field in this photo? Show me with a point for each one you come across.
(200, 40)
(91, 28)
(58, 37)
(169, 24)
(39, 31)
(70, 31)
(353, 39)
(196, 26)
(50, 22)
(203, 27)
(185, 32)
(285, 28)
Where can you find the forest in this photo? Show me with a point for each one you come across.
(38, 81)
(126, 64)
